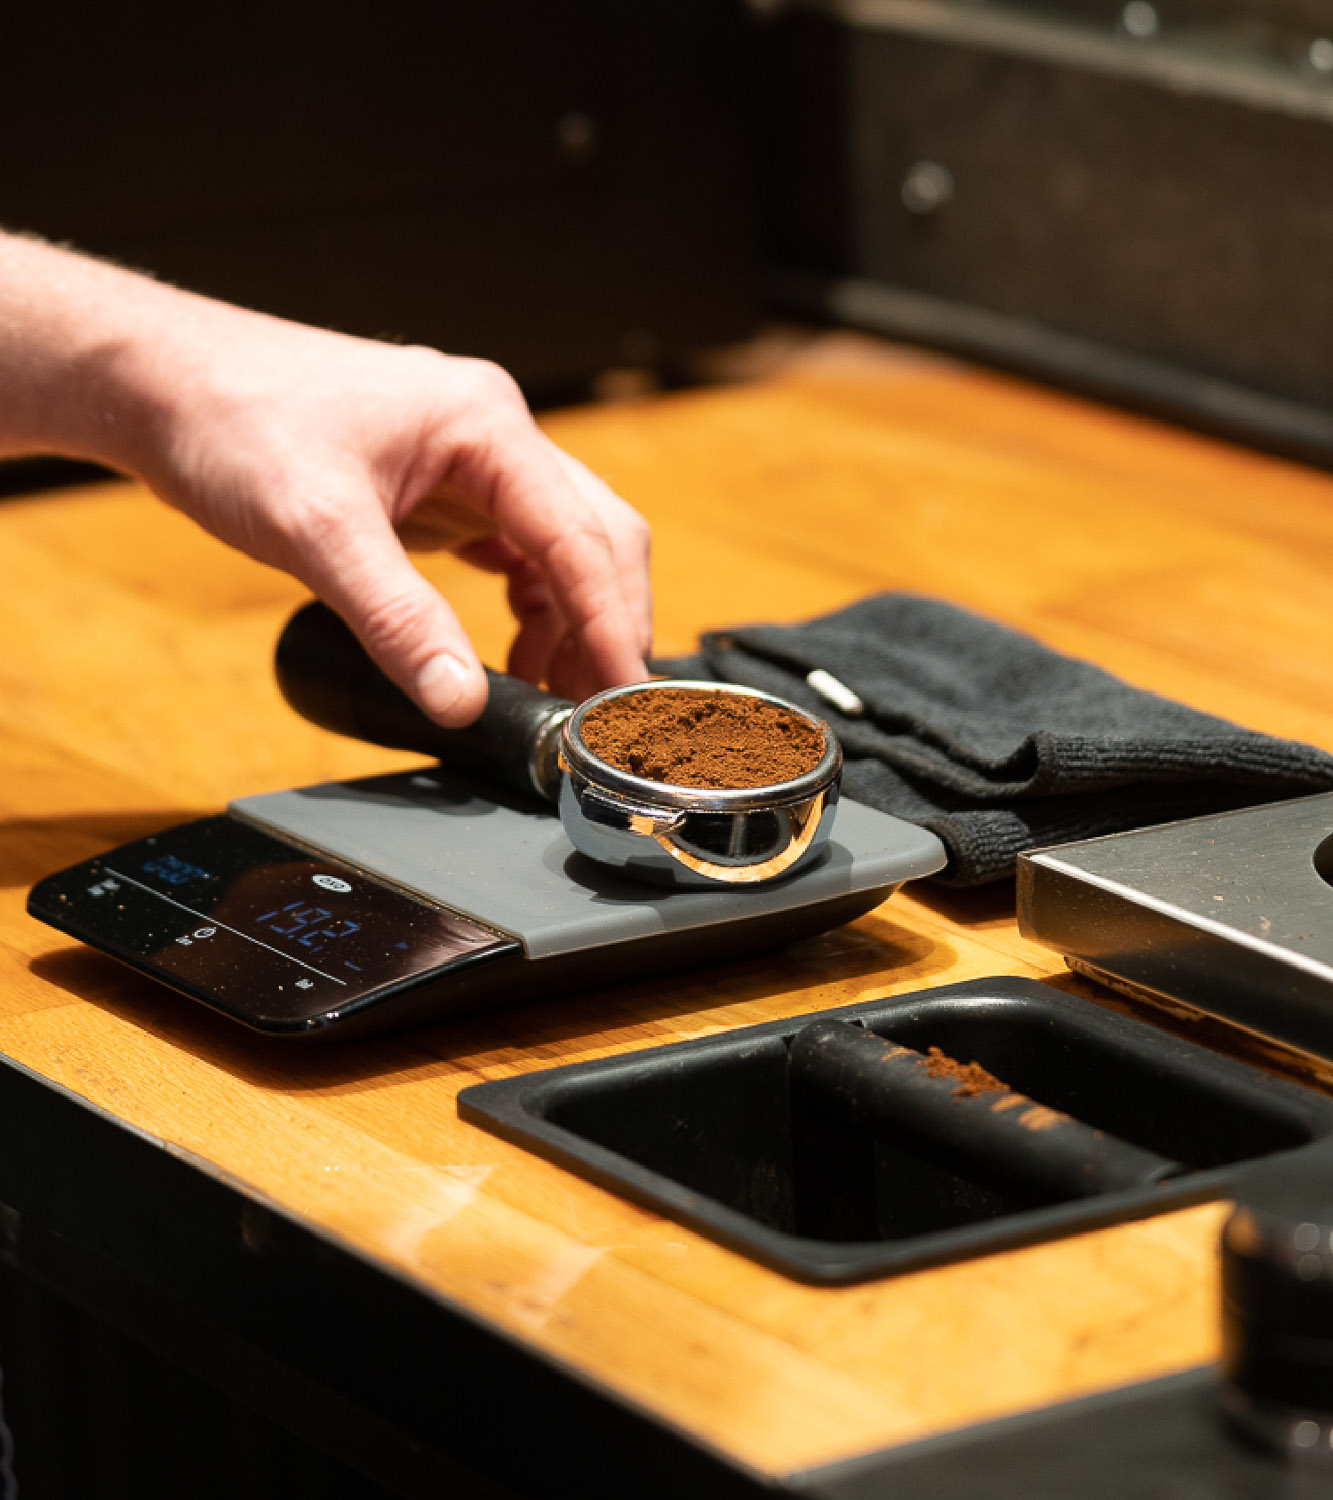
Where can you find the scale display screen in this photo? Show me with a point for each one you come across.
(258, 927)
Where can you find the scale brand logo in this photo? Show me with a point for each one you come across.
(331, 883)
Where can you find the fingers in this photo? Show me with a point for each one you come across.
(443, 522)
(358, 568)
(630, 541)
(546, 648)
(541, 627)
(589, 548)
(540, 623)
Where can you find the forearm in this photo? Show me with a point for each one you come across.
(86, 352)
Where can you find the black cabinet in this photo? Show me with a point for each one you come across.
(1134, 199)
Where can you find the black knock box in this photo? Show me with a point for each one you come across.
(712, 1132)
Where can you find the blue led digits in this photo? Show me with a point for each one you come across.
(307, 926)
(172, 871)
(298, 915)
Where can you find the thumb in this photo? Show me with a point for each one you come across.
(405, 624)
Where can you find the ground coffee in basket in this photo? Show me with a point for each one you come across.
(685, 737)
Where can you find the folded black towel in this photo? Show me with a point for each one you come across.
(995, 742)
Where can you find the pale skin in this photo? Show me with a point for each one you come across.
(321, 454)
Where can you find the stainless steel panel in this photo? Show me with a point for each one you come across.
(1231, 914)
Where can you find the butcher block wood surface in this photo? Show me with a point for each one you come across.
(137, 691)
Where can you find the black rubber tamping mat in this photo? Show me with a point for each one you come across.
(714, 1133)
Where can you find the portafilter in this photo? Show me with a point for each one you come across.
(531, 742)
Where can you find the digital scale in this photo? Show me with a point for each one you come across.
(351, 907)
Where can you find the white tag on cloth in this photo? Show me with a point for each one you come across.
(836, 693)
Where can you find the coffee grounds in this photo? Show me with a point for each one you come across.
(971, 1077)
(684, 737)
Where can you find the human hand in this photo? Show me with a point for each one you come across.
(316, 452)
(322, 454)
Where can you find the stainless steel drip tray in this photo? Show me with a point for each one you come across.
(1230, 914)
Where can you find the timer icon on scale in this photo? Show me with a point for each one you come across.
(199, 934)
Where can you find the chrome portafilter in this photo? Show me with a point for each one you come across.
(688, 835)
(533, 743)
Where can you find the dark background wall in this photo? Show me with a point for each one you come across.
(575, 187)
(563, 188)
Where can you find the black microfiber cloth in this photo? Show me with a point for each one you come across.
(997, 743)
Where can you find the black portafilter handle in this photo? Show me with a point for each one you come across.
(327, 677)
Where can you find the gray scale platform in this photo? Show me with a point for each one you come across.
(514, 869)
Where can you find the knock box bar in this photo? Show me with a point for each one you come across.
(985, 1131)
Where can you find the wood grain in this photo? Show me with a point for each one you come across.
(137, 690)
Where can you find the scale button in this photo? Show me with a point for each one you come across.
(331, 883)
(305, 984)
(204, 932)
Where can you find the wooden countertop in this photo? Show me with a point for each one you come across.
(137, 692)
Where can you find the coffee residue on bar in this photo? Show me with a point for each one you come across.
(688, 737)
(972, 1079)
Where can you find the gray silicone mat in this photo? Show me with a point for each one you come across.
(513, 868)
